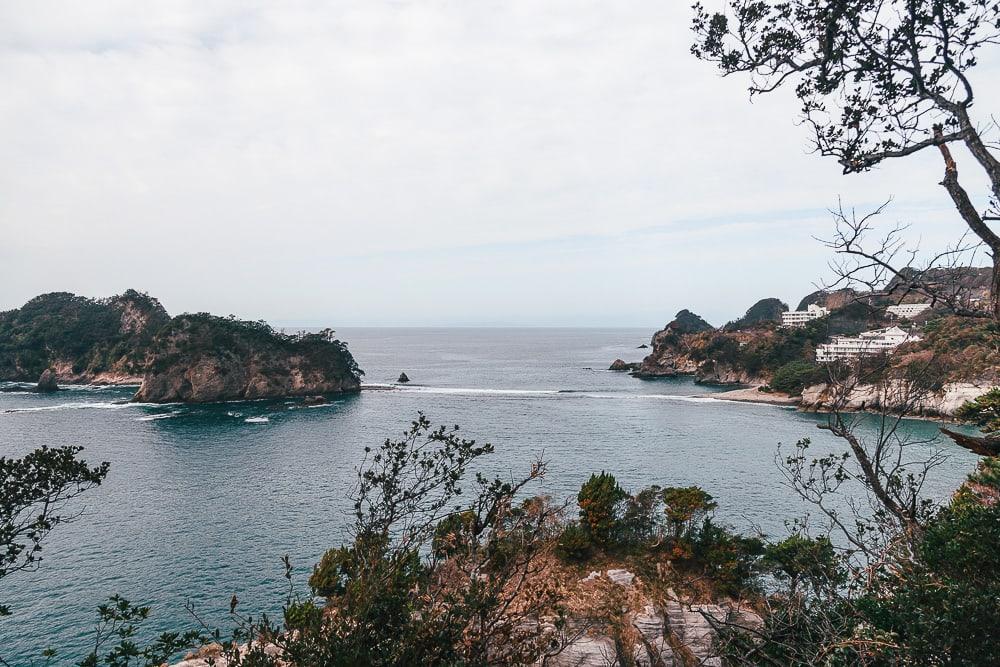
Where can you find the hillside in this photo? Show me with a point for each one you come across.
(82, 339)
(756, 350)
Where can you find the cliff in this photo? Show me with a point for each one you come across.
(203, 358)
(131, 339)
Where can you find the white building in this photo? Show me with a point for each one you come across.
(908, 310)
(798, 318)
(868, 343)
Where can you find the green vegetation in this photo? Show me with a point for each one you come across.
(601, 504)
(984, 412)
(795, 376)
(765, 311)
(34, 494)
(190, 335)
(91, 335)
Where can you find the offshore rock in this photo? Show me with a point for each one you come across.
(403, 379)
(619, 365)
(47, 382)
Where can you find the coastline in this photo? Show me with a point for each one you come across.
(751, 394)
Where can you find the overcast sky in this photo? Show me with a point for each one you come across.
(523, 162)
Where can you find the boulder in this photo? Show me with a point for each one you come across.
(642, 347)
(403, 379)
(47, 382)
(620, 365)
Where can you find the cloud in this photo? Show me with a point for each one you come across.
(404, 162)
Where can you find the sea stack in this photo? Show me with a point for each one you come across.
(403, 379)
(47, 382)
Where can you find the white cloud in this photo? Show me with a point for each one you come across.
(404, 162)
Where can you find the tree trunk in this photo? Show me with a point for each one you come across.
(972, 218)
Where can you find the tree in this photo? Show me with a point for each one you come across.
(685, 506)
(601, 506)
(877, 79)
(426, 579)
(34, 493)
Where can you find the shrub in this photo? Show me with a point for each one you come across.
(984, 412)
(641, 517)
(600, 501)
(684, 507)
(453, 534)
(574, 545)
(334, 569)
(795, 376)
(726, 558)
(802, 559)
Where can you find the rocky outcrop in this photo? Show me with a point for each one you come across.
(829, 299)
(654, 629)
(763, 312)
(403, 378)
(47, 382)
(667, 358)
(620, 365)
(202, 358)
(894, 395)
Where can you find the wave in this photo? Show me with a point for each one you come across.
(167, 415)
(117, 405)
(479, 392)
(83, 405)
(256, 420)
(560, 393)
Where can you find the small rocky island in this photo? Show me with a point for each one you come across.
(198, 358)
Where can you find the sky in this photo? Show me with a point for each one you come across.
(395, 163)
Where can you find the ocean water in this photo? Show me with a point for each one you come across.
(203, 501)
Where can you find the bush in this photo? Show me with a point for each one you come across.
(801, 559)
(729, 560)
(453, 534)
(574, 544)
(795, 376)
(984, 412)
(600, 501)
(334, 569)
(684, 507)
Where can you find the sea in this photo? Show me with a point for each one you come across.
(203, 501)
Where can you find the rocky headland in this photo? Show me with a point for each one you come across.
(61, 338)
(768, 363)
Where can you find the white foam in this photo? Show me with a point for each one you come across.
(480, 392)
(150, 418)
(256, 420)
(79, 406)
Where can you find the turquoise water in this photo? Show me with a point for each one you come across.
(200, 504)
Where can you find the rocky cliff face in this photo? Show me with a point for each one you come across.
(691, 346)
(894, 396)
(201, 358)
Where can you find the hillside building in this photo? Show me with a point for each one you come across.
(866, 344)
(908, 310)
(798, 318)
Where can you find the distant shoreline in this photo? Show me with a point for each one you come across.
(752, 394)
